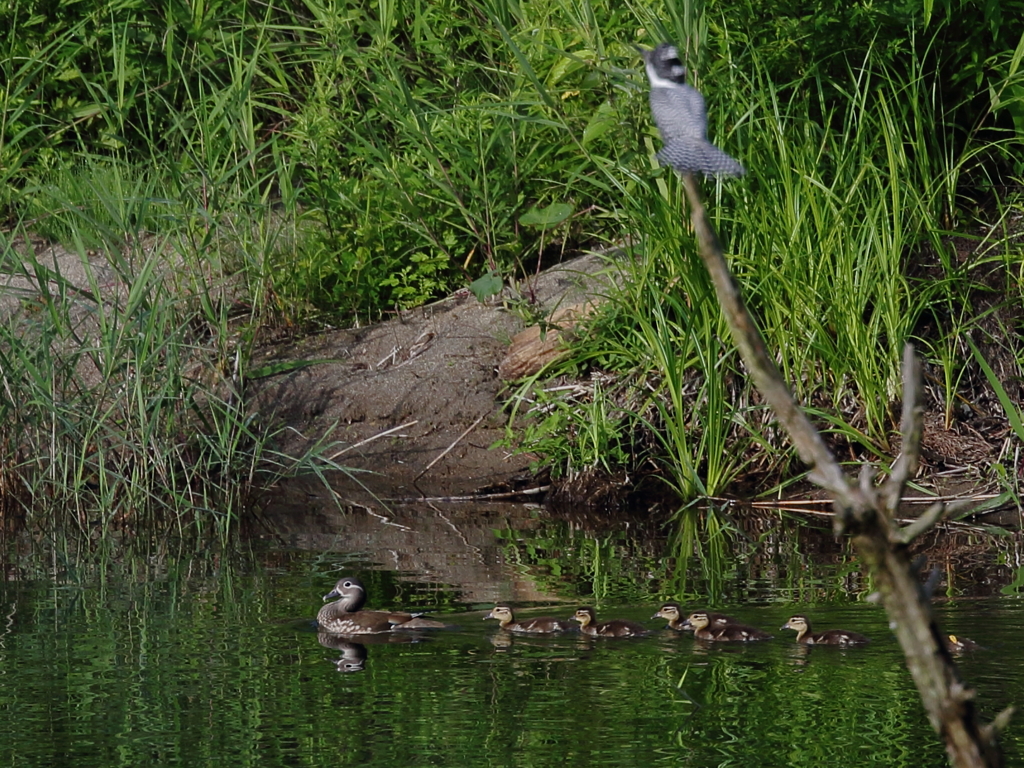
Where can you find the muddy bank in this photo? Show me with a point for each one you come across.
(415, 403)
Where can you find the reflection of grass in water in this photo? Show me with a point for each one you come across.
(726, 557)
(703, 534)
(564, 560)
(145, 642)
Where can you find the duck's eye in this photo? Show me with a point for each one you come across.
(347, 584)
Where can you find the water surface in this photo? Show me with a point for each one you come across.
(202, 659)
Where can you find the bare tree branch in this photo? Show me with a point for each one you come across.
(867, 515)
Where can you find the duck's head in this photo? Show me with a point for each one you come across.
(584, 616)
(502, 613)
(798, 623)
(350, 592)
(698, 620)
(670, 611)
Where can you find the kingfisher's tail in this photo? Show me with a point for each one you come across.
(695, 156)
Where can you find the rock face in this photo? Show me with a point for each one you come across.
(430, 375)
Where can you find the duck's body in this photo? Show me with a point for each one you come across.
(804, 635)
(700, 623)
(345, 617)
(673, 613)
(958, 644)
(542, 625)
(589, 625)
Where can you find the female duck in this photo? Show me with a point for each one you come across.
(345, 615)
(542, 625)
(830, 637)
(674, 614)
(700, 623)
(589, 625)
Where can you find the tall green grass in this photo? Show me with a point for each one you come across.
(239, 167)
(851, 178)
(126, 403)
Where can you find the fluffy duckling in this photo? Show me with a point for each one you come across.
(589, 625)
(541, 625)
(674, 614)
(700, 622)
(958, 644)
(345, 615)
(804, 635)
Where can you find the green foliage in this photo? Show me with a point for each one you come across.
(577, 429)
(339, 158)
(853, 173)
(425, 148)
(116, 406)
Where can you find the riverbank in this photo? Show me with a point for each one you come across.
(415, 406)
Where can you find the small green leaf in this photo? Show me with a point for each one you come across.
(546, 218)
(1013, 415)
(602, 121)
(1017, 585)
(487, 285)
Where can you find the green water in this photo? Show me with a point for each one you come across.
(203, 661)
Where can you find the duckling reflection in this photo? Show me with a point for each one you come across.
(799, 653)
(501, 641)
(345, 615)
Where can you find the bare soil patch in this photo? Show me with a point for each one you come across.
(431, 375)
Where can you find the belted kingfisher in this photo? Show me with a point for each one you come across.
(682, 119)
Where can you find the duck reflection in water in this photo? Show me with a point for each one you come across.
(354, 653)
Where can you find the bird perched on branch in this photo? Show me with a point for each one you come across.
(682, 119)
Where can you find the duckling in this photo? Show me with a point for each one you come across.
(538, 626)
(674, 614)
(345, 617)
(614, 628)
(830, 637)
(700, 622)
(957, 644)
